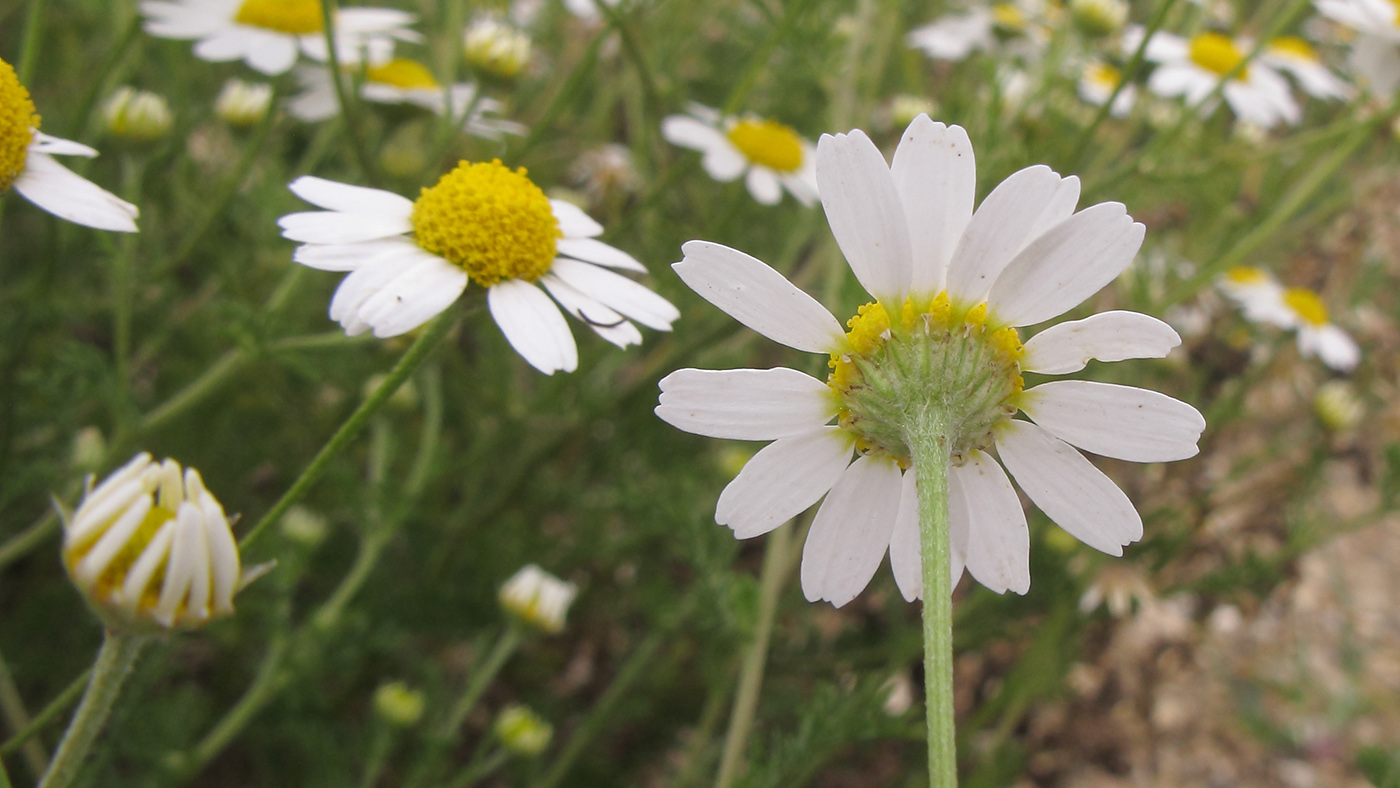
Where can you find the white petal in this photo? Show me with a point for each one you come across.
(348, 257)
(224, 44)
(1107, 336)
(784, 478)
(1124, 422)
(764, 185)
(361, 285)
(803, 183)
(1059, 208)
(182, 568)
(688, 132)
(414, 297)
(745, 404)
(1066, 265)
(1332, 345)
(906, 552)
(573, 222)
(617, 292)
(336, 196)
(67, 195)
(605, 322)
(851, 531)
(598, 253)
(333, 227)
(372, 20)
(1068, 488)
(936, 174)
(271, 53)
(724, 163)
(223, 559)
(998, 541)
(865, 214)
(533, 326)
(138, 577)
(998, 230)
(57, 146)
(112, 541)
(759, 297)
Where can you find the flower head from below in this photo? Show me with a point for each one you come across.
(770, 155)
(1192, 69)
(268, 35)
(538, 599)
(150, 548)
(411, 259)
(27, 165)
(1264, 300)
(951, 287)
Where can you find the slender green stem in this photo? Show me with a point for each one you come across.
(19, 545)
(48, 714)
(17, 717)
(124, 274)
(775, 562)
(379, 749)
(410, 360)
(479, 768)
(928, 444)
(269, 679)
(481, 678)
(4, 777)
(29, 50)
(348, 101)
(114, 663)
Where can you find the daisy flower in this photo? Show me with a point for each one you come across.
(1264, 300)
(400, 81)
(1375, 55)
(955, 36)
(27, 166)
(768, 154)
(1097, 82)
(1193, 68)
(410, 259)
(269, 34)
(950, 288)
(1296, 57)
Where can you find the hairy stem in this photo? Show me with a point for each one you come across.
(114, 663)
(929, 445)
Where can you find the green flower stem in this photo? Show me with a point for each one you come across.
(48, 714)
(380, 746)
(479, 768)
(123, 277)
(20, 545)
(4, 777)
(29, 50)
(774, 572)
(410, 360)
(928, 444)
(481, 678)
(114, 663)
(348, 101)
(269, 679)
(17, 718)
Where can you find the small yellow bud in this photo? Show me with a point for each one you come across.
(89, 448)
(136, 115)
(537, 598)
(398, 704)
(304, 526)
(243, 104)
(523, 732)
(1099, 17)
(496, 47)
(1337, 406)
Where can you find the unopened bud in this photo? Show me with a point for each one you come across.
(137, 115)
(399, 704)
(243, 104)
(537, 598)
(523, 732)
(1338, 406)
(496, 47)
(1098, 17)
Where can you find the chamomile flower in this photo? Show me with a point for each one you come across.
(1296, 57)
(400, 81)
(1191, 69)
(983, 28)
(1098, 80)
(27, 165)
(950, 288)
(269, 34)
(1375, 55)
(1264, 300)
(770, 155)
(484, 223)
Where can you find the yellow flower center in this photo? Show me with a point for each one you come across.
(1008, 18)
(1294, 47)
(17, 123)
(1246, 275)
(297, 17)
(109, 583)
(1396, 3)
(768, 143)
(1104, 75)
(492, 222)
(1307, 305)
(1217, 53)
(889, 371)
(402, 73)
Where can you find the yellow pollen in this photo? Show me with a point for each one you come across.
(1217, 53)
(17, 123)
(402, 73)
(1294, 47)
(1246, 275)
(297, 17)
(491, 221)
(768, 143)
(1307, 305)
(1008, 17)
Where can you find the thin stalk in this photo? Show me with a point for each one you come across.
(479, 768)
(124, 274)
(349, 104)
(756, 658)
(928, 443)
(481, 679)
(4, 777)
(48, 714)
(114, 663)
(29, 49)
(410, 360)
(17, 718)
(20, 545)
(269, 679)
(379, 748)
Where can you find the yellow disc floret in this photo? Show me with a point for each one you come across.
(1217, 53)
(1008, 18)
(1293, 47)
(1103, 75)
(402, 73)
(297, 17)
(17, 123)
(768, 143)
(109, 583)
(1246, 275)
(491, 221)
(1306, 305)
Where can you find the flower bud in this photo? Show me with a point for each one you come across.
(907, 106)
(304, 526)
(1337, 406)
(496, 47)
(538, 599)
(89, 447)
(1098, 17)
(243, 104)
(398, 704)
(523, 732)
(151, 548)
(136, 115)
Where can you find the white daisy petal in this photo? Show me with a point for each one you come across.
(598, 253)
(865, 213)
(998, 541)
(724, 162)
(348, 257)
(1123, 422)
(1107, 336)
(759, 297)
(335, 196)
(361, 285)
(617, 292)
(687, 132)
(1059, 207)
(1066, 265)
(783, 479)
(745, 404)
(533, 326)
(57, 146)
(414, 297)
(851, 531)
(764, 185)
(1068, 488)
(1332, 345)
(573, 222)
(271, 53)
(998, 230)
(67, 195)
(224, 45)
(332, 227)
(935, 172)
(906, 551)
(605, 322)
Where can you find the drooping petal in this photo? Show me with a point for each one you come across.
(745, 404)
(865, 214)
(851, 531)
(533, 325)
(67, 195)
(906, 553)
(362, 284)
(617, 292)
(759, 297)
(998, 230)
(935, 172)
(1124, 422)
(336, 196)
(1107, 336)
(998, 541)
(1068, 488)
(784, 478)
(605, 322)
(414, 297)
(1066, 265)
